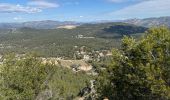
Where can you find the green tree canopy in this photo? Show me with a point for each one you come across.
(140, 70)
(22, 78)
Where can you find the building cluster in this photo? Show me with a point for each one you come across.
(88, 56)
(85, 37)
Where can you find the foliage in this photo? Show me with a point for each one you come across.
(125, 29)
(61, 42)
(140, 70)
(22, 78)
(66, 85)
(25, 77)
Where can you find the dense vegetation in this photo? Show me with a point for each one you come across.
(140, 70)
(22, 78)
(61, 42)
(26, 78)
(66, 85)
(124, 30)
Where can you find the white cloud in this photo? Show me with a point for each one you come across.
(43, 4)
(17, 18)
(10, 8)
(146, 8)
(32, 7)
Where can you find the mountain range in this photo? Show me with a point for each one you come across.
(50, 24)
(150, 22)
(45, 24)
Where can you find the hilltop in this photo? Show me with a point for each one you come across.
(52, 24)
(150, 22)
(44, 24)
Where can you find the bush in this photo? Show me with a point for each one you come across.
(22, 78)
(140, 70)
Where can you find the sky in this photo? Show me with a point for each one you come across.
(81, 10)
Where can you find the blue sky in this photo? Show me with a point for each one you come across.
(81, 10)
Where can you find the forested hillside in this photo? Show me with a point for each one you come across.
(150, 22)
(61, 42)
(138, 70)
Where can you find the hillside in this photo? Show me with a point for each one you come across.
(150, 22)
(51, 24)
(45, 24)
(61, 42)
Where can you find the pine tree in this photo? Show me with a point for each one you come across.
(140, 69)
(22, 78)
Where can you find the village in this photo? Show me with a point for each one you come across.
(81, 60)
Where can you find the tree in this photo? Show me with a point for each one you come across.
(23, 78)
(140, 70)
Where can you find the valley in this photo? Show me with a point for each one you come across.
(67, 61)
(61, 42)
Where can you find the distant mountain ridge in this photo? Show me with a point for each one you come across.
(150, 22)
(45, 24)
(50, 24)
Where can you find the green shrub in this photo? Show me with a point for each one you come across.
(140, 70)
(22, 78)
